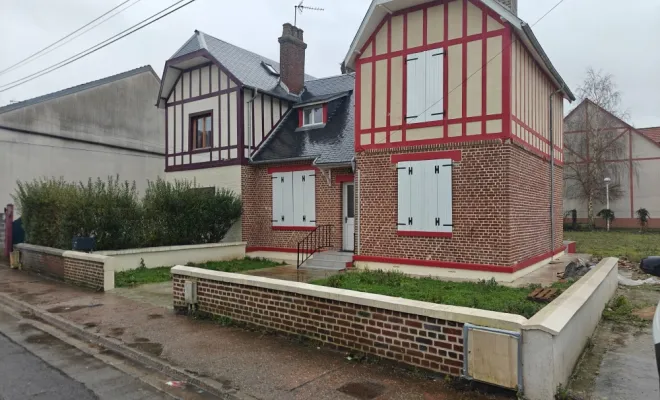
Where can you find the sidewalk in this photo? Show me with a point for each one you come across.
(250, 365)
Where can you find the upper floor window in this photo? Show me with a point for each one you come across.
(312, 116)
(201, 130)
(424, 92)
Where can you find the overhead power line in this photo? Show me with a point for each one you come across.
(140, 25)
(480, 68)
(41, 53)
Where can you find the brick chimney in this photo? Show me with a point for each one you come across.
(510, 4)
(292, 58)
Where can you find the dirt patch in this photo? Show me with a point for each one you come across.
(645, 313)
(117, 331)
(141, 340)
(154, 349)
(88, 325)
(155, 316)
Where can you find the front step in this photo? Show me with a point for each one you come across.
(329, 260)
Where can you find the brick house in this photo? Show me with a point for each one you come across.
(432, 149)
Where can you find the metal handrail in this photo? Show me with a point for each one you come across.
(319, 238)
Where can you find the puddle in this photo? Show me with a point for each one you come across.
(154, 349)
(141, 340)
(155, 316)
(42, 338)
(67, 309)
(117, 331)
(363, 390)
(88, 325)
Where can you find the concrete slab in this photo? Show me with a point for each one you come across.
(546, 275)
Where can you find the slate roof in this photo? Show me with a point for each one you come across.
(76, 89)
(652, 134)
(330, 144)
(243, 64)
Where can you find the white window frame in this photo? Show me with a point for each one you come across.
(425, 89)
(294, 199)
(424, 197)
(312, 111)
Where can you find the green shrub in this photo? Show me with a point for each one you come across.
(179, 213)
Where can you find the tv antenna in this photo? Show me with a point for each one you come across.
(299, 9)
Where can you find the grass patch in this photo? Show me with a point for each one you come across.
(142, 275)
(629, 244)
(621, 308)
(486, 295)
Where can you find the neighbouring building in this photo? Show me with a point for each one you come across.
(632, 162)
(430, 153)
(98, 129)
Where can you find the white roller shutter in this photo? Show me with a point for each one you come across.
(444, 180)
(434, 85)
(403, 189)
(415, 87)
(309, 193)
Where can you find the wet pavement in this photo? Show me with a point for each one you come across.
(252, 364)
(291, 273)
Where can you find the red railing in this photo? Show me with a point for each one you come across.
(318, 239)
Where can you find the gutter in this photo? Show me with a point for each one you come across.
(283, 160)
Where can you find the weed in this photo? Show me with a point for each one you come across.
(621, 310)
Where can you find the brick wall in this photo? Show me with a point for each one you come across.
(480, 205)
(418, 340)
(80, 269)
(500, 207)
(257, 189)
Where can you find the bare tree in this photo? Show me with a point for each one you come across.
(595, 143)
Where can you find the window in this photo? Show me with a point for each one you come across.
(424, 91)
(294, 199)
(312, 116)
(201, 130)
(269, 68)
(425, 196)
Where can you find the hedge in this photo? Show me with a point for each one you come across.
(53, 211)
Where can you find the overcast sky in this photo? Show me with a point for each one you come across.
(615, 36)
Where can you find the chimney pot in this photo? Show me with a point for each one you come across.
(292, 58)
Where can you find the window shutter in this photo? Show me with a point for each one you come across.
(309, 189)
(415, 87)
(287, 199)
(298, 200)
(432, 219)
(403, 188)
(278, 213)
(434, 85)
(417, 200)
(445, 200)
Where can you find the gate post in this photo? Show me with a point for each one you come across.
(9, 220)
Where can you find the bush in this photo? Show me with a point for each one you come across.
(54, 211)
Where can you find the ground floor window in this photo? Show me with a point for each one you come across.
(294, 198)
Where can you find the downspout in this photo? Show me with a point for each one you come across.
(250, 103)
(552, 176)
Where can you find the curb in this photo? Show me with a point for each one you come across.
(79, 332)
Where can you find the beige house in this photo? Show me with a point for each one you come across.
(633, 164)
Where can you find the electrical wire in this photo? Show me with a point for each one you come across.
(32, 57)
(479, 69)
(96, 47)
(89, 150)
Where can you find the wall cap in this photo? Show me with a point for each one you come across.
(440, 311)
(40, 249)
(556, 315)
(167, 248)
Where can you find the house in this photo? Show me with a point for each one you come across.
(98, 129)
(633, 162)
(431, 149)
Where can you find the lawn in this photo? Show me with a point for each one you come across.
(630, 244)
(140, 276)
(486, 295)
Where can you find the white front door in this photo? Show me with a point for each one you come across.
(348, 232)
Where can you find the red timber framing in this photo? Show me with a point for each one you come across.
(381, 135)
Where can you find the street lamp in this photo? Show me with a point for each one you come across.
(607, 196)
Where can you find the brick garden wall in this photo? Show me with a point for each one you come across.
(80, 270)
(480, 207)
(430, 343)
(257, 190)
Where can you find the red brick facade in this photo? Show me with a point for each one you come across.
(257, 189)
(416, 340)
(500, 207)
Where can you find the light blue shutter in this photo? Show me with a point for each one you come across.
(431, 216)
(298, 198)
(445, 200)
(278, 213)
(415, 87)
(434, 85)
(417, 187)
(287, 199)
(403, 190)
(309, 191)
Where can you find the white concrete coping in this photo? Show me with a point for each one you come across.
(86, 256)
(556, 315)
(40, 249)
(168, 248)
(439, 311)
(63, 253)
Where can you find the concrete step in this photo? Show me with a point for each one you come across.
(337, 256)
